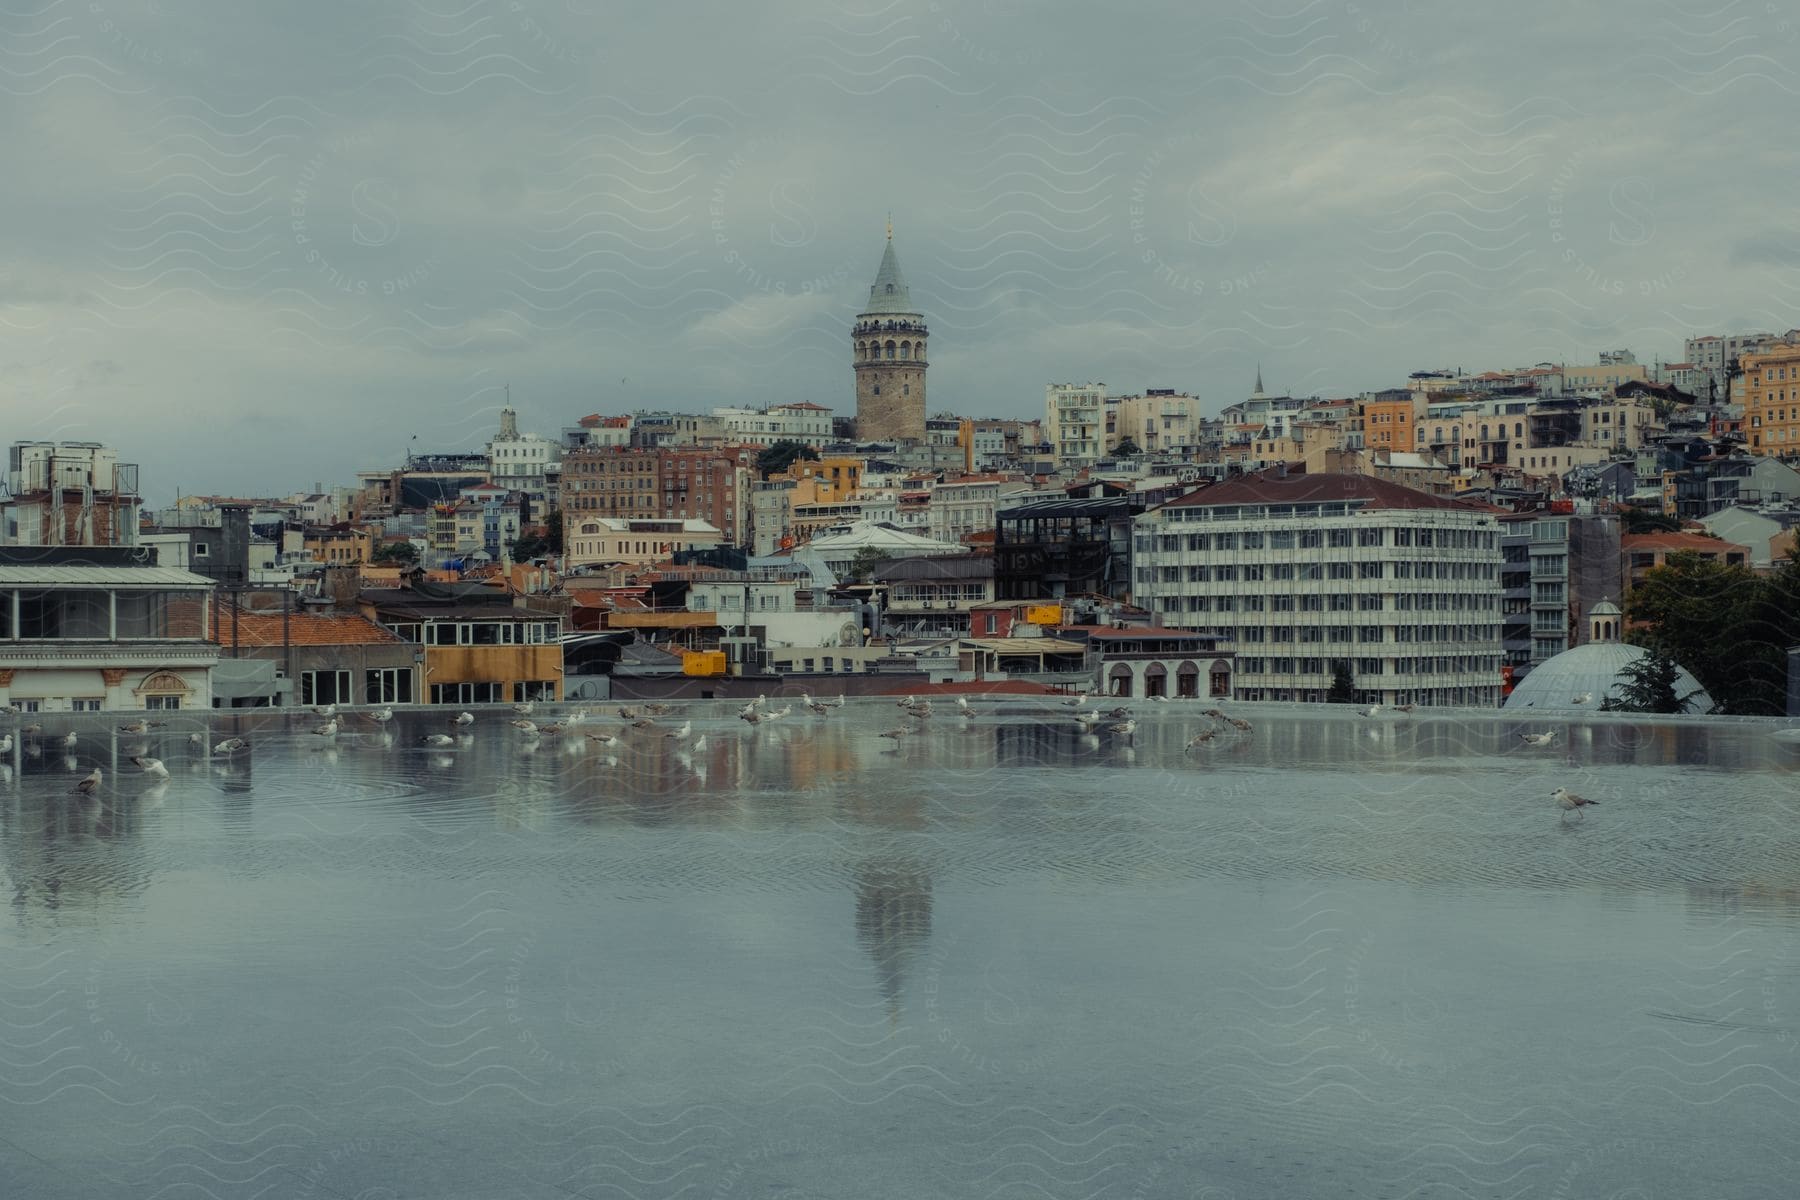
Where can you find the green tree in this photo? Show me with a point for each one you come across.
(536, 545)
(1649, 687)
(1725, 624)
(402, 553)
(1127, 448)
(1343, 684)
(1645, 520)
(862, 567)
(782, 455)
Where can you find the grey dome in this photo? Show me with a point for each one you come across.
(1598, 668)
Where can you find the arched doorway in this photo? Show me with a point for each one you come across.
(1118, 681)
(1156, 680)
(1219, 681)
(1187, 681)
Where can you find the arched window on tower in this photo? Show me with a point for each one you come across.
(905, 349)
(890, 349)
(890, 289)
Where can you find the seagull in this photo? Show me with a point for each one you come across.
(687, 727)
(90, 785)
(6, 744)
(658, 710)
(750, 714)
(135, 727)
(627, 714)
(1159, 699)
(1583, 698)
(1077, 702)
(524, 710)
(1119, 713)
(1125, 728)
(1214, 713)
(438, 739)
(838, 703)
(328, 729)
(1539, 739)
(602, 739)
(1371, 710)
(554, 727)
(463, 718)
(1568, 801)
(775, 714)
(964, 707)
(1087, 721)
(699, 743)
(69, 740)
(195, 739)
(11, 710)
(1238, 723)
(908, 701)
(643, 722)
(1202, 738)
(380, 716)
(524, 726)
(921, 709)
(896, 734)
(230, 746)
(814, 705)
(325, 710)
(150, 766)
(1405, 708)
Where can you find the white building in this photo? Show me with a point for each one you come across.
(957, 510)
(797, 422)
(1075, 422)
(83, 636)
(68, 494)
(1303, 571)
(518, 462)
(596, 540)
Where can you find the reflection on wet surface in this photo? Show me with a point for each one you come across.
(993, 957)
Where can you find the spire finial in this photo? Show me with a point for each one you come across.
(890, 226)
(1259, 387)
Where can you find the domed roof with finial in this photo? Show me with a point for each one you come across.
(1606, 608)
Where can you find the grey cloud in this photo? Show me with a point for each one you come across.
(362, 214)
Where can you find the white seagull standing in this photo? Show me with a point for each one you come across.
(1538, 739)
(463, 718)
(439, 740)
(380, 716)
(327, 730)
(325, 710)
(89, 785)
(1077, 702)
(69, 740)
(687, 727)
(150, 766)
(1371, 710)
(1569, 802)
(231, 746)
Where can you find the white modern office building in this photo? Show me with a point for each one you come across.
(1300, 572)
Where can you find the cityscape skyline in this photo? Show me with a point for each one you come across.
(375, 219)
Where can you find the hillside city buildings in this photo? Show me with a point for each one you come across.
(1442, 538)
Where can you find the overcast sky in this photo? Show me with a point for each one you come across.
(256, 246)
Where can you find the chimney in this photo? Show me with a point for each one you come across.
(343, 581)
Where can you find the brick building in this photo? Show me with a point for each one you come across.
(661, 484)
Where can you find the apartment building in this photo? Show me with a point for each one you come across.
(68, 494)
(1075, 422)
(661, 484)
(1298, 572)
(1772, 398)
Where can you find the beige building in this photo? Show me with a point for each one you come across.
(595, 540)
(1158, 421)
(1772, 398)
(1074, 422)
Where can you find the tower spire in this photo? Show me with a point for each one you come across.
(890, 226)
(1259, 387)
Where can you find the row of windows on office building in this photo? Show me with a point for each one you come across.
(394, 685)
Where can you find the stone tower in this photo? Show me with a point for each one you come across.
(888, 346)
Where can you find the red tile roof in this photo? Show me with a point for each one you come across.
(304, 629)
(1263, 488)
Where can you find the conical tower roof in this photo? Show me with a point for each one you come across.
(889, 294)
